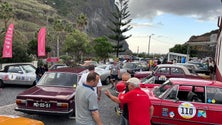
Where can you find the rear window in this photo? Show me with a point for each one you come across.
(58, 79)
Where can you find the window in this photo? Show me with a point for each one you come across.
(163, 70)
(214, 95)
(14, 69)
(177, 71)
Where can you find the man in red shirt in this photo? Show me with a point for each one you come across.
(139, 105)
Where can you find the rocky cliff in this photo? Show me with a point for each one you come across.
(30, 15)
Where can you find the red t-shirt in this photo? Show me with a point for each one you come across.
(139, 106)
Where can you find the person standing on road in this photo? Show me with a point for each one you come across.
(124, 115)
(39, 72)
(139, 105)
(86, 104)
(115, 72)
(98, 88)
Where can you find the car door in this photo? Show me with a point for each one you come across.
(176, 109)
(214, 102)
(15, 75)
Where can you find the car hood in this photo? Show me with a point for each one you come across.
(13, 120)
(49, 92)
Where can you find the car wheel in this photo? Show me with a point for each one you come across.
(1, 84)
(107, 81)
(34, 83)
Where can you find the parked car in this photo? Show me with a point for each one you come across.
(54, 94)
(185, 101)
(89, 62)
(18, 120)
(204, 73)
(57, 66)
(200, 67)
(168, 71)
(104, 71)
(20, 74)
(133, 67)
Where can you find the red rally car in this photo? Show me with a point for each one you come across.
(186, 101)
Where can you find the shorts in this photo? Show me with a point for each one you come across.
(114, 77)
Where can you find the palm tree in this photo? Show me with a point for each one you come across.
(81, 22)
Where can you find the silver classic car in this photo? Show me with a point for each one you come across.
(104, 72)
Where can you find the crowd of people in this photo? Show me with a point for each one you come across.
(137, 107)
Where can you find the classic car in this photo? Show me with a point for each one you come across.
(133, 67)
(204, 73)
(168, 71)
(182, 101)
(187, 101)
(56, 66)
(54, 93)
(17, 120)
(89, 62)
(104, 72)
(201, 67)
(20, 74)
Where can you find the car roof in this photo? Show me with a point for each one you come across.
(170, 65)
(196, 82)
(69, 69)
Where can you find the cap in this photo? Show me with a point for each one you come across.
(134, 80)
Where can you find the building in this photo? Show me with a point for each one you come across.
(218, 54)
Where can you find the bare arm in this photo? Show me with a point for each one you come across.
(99, 91)
(96, 117)
(151, 111)
(113, 98)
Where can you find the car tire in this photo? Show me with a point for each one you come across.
(34, 83)
(106, 81)
(1, 84)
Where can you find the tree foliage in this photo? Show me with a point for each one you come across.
(120, 25)
(77, 44)
(102, 47)
(7, 12)
(19, 53)
(81, 21)
(32, 48)
(184, 49)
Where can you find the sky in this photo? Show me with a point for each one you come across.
(169, 22)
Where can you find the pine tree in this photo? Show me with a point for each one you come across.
(120, 25)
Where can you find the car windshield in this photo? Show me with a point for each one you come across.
(58, 79)
(148, 79)
(28, 68)
(162, 89)
(128, 65)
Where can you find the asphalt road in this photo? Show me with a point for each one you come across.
(7, 106)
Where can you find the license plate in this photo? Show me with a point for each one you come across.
(41, 105)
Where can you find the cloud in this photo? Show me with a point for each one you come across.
(198, 9)
(135, 24)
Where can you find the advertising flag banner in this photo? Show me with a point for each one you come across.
(7, 48)
(41, 42)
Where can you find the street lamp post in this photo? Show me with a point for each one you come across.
(149, 44)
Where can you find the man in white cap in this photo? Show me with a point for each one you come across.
(139, 105)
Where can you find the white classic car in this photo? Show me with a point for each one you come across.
(104, 72)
